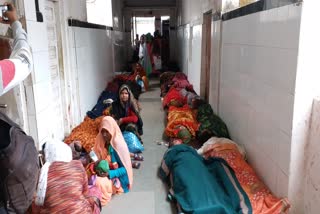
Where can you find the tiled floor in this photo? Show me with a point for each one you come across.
(148, 195)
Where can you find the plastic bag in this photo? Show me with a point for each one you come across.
(133, 142)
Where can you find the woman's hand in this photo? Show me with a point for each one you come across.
(11, 14)
(119, 122)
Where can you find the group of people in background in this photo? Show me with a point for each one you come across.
(152, 52)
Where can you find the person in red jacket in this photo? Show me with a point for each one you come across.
(127, 112)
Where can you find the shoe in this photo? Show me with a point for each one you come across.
(137, 157)
(136, 165)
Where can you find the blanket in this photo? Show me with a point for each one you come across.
(202, 186)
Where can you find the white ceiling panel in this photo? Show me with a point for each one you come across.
(149, 3)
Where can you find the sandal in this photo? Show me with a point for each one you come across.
(137, 157)
(136, 165)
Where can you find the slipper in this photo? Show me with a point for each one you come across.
(136, 165)
(138, 157)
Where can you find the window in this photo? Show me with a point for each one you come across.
(144, 25)
(229, 5)
(100, 12)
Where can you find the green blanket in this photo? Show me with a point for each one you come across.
(202, 186)
(210, 124)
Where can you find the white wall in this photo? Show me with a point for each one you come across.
(259, 63)
(120, 46)
(307, 88)
(94, 64)
(189, 36)
(190, 11)
(148, 3)
(194, 60)
(311, 185)
(78, 65)
(38, 89)
(75, 9)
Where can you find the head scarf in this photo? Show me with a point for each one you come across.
(132, 102)
(54, 151)
(149, 37)
(117, 142)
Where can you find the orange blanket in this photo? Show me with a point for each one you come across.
(183, 116)
(85, 133)
(261, 198)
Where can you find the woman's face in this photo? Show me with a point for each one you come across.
(106, 136)
(124, 95)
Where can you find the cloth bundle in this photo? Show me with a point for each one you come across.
(133, 142)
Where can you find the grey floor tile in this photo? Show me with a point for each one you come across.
(148, 194)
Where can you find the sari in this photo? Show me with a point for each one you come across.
(178, 117)
(119, 146)
(63, 184)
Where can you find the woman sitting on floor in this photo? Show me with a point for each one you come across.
(110, 146)
(63, 184)
(126, 112)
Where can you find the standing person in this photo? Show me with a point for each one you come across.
(17, 180)
(136, 49)
(142, 48)
(137, 41)
(18, 66)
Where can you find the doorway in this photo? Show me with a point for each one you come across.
(206, 56)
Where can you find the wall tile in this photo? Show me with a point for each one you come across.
(282, 184)
(42, 95)
(37, 33)
(91, 65)
(263, 165)
(30, 103)
(84, 39)
(43, 125)
(284, 152)
(33, 128)
(279, 105)
(71, 36)
(258, 74)
(260, 28)
(41, 66)
(195, 62)
(30, 10)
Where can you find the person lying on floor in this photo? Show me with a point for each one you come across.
(201, 186)
(126, 112)
(110, 146)
(63, 184)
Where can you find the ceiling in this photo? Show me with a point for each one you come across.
(149, 3)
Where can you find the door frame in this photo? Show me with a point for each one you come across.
(65, 65)
(206, 55)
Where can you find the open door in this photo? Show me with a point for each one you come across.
(206, 56)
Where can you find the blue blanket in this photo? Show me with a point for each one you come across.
(202, 186)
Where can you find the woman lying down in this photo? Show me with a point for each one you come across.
(201, 186)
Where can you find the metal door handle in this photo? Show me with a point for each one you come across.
(3, 105)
